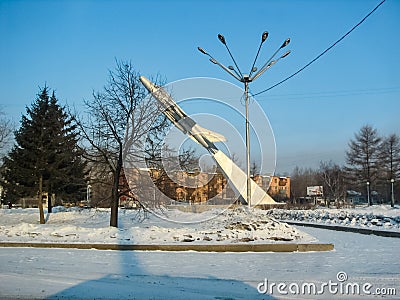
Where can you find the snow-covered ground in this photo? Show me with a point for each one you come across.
(379, 217)
(91, 226)
(33, 273)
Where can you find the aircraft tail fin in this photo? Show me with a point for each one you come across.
(237, 179)
(209, 134)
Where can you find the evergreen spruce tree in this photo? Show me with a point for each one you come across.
(46, 147)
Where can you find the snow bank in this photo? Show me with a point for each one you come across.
(92, 226)
(374, 217)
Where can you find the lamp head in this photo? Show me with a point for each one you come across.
(286, 54)
(264, 36)
(202, 50)
(222, 39)
(285, 43)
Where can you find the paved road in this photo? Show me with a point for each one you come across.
(93, 274)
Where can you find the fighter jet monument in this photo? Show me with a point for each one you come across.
(235, 176)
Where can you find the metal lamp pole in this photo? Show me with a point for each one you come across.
(246, 79)
(248, 184)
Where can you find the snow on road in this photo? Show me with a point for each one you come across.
(31, 273)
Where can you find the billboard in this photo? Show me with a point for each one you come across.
(316, 190)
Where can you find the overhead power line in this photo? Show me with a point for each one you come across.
(338, 93)
(322, 53)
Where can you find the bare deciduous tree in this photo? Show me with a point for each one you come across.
(6, 130)
(363, 158)
(300, 179)
(254, 169)
(390, 154)
(118, 117)
(332, 181)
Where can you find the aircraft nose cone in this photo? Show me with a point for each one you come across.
(148, 85)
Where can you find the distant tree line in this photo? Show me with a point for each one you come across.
(372, 168)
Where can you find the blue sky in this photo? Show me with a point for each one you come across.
(70, 45)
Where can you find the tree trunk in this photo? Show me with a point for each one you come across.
(40, 202)
(49, 203)
(115, 191)
(369, 195)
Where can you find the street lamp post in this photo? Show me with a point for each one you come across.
(88, 187)
(392, 194)
(368, 197)
(246, 79)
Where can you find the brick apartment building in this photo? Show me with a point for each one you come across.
(201, 187)
(194, 187)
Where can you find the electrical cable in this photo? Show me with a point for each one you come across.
(328, 94)
(322, 53)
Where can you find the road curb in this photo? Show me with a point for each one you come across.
(367, 231)
(199, 248)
